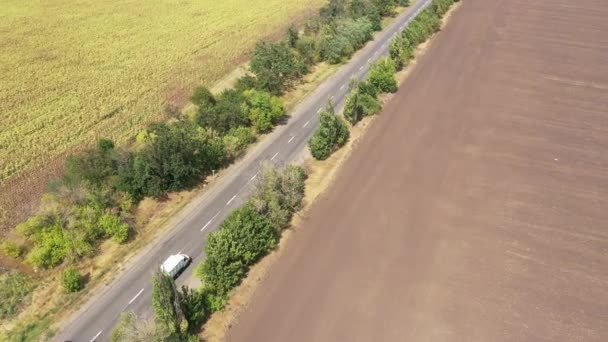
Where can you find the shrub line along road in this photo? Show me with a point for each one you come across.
(132, 289)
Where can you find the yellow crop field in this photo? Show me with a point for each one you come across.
(75, 70)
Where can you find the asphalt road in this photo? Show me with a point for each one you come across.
(132, 288)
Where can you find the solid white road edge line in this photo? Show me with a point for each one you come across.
(230, 201)
(134, 298)
(96, 336)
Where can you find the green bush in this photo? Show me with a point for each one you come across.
(225, 112)
(381, 78)
(10, 248)
(15, 291)
(113, 227)
(292, 36)
(385, 7)
(278, 194)
(245, 83)
(72, 280)
(331, 134)
(341, 40)
(422, 27)
(440, 7)
(195, 306)
(177, 157)
(264, 109)
(360, 104)
(398, 53)
(202, 97)
(237, 140)
(276, 66)
(242, 239)
(50, 248)
(92, 167)
(307, 48)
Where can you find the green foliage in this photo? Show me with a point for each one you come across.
(275, 66)
(71, 279)
(112, 226)
(194, 306)
(375, 18)
(331, 135)
(422, 27)
(177, 315)
(237, 140)
(165, 303)
(385, 7)
(177, 156)
(225, 113)
(264, 109)
(403, 2)
(292, 35)
(278, 194)
(202, 97)
(51, 247)
(10, 248)
(92, 167)
(245, 83)
(333, 9)
(242, 239)
(343, 38)
(358, 8)
(381, 78)
(359, 104)
(307, 47)
(15, 291)
(397, 52)
(440, 7)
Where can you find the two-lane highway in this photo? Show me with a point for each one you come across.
(131, 289)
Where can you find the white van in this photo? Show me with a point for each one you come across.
(175, 264)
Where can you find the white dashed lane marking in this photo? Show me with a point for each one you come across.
(208, 223)
(231, 199)
(96, 336)
(290, 139)
(137, 295)
(306, 124)
(275, 155)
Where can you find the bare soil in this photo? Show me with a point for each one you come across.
(474, 208)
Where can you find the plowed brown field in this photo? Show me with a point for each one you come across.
(476, 207)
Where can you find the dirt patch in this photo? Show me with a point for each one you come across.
(474, 207)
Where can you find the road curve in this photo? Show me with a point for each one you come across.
(130, 291)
